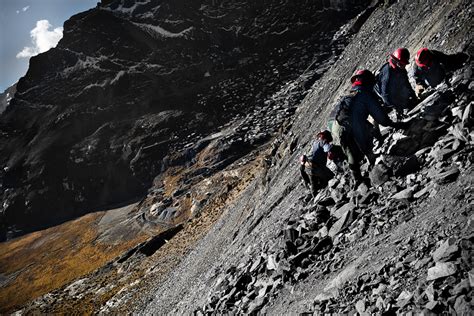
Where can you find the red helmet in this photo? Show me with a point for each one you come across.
(365, 76)
(424, 57)
(325, 135)
(401, 56)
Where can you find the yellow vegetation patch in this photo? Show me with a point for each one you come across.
(51, 258)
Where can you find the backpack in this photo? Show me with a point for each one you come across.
(342, 110)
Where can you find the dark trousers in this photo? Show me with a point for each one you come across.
(318, 179)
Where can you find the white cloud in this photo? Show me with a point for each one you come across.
(42, 38)
(23, 9)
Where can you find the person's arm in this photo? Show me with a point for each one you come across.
(419, 77)
(413, 99)
(375, 110)
(420, 84)
(450, 62)
(383, 85)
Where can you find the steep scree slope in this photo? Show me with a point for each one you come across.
(371, 251)
(94, 119)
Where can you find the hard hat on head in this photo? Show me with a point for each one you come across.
(365, 76)
(424, 57)
(325, 135)
(401, 57)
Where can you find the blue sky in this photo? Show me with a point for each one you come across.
(17, 41)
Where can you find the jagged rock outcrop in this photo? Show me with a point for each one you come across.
(94, 119)
(6, 96)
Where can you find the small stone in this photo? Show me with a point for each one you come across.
(462, 306)
(430, 292)
(379, 175)
(341, 223)
(447, 176)
(379, 290)
(404, 298)
(343, 210)
(323, 232)
(471, 278)
(360, 306)
(423, 191)
(461, 288)
(380, 303)
(441, 270)
(431, 305)
(421, 263)
(271, 263)
(404, 194)
(467, 114)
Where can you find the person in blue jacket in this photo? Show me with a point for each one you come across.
(392, 83)
(432, 66)
(349, 125)
(316, 163)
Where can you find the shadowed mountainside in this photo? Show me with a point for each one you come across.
(95, 119)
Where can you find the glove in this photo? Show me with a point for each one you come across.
(419, 89)
(303, 159)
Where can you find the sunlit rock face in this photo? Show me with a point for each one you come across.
(133, 83)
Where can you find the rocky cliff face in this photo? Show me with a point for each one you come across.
(6, 96)
(133, 87)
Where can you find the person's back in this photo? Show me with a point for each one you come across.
(392, 83)
(349, 121)
(362, 104)
(316, 163)
(318, 155)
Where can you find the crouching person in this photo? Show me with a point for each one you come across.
(315, 163)
(433, 67)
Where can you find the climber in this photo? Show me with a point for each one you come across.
(431, 67)
(316, 163)
(349, 125)
(392, 83)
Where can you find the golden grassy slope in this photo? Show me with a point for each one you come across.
(53, 257)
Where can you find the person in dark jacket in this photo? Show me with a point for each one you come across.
(431, 67)
(392, 83)
(349, 125)
(316, 163)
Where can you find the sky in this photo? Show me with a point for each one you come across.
(29, 27)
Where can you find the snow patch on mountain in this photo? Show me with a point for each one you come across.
(158, 31)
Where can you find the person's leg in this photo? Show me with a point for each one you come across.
(356, 156)
(315, 184)
(305, 176)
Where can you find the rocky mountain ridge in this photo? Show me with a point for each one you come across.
(94, 119)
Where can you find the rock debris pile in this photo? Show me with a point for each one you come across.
(432, 273)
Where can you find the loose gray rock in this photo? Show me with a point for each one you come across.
(446, 250)
(441, 270)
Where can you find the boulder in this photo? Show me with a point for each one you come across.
(405, 194)
(441, 270)
(403, 165)
(338, 213)
(344, 221)
(446, 176)
(379, 174)
(446, 250)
